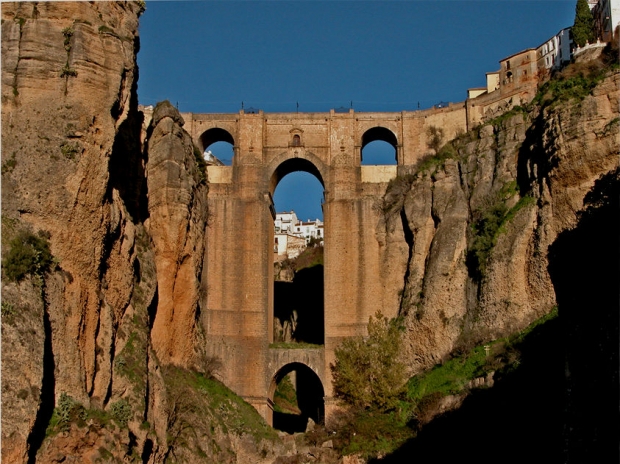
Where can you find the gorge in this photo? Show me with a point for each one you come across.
(112, 349)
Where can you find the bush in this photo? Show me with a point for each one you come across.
(28, 254)
(367, 372)
(121, 412)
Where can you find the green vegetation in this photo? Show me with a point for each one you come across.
(106, 30)
(196, 401)
(371, 432)
(434, 137)
(578, 81)
(69, 150)
(488, 224)
(285, 397)
(367, 373)
(562, 89)
(8, 309)
(121, 412)
(9, 164)
(130, 361)
(583, 28)
(432, 162)
(515, 110)
(294, 345)
(29, 254)
(68, 71)
(67, 411)
(70, 411)
(68, 32)
(310, 257)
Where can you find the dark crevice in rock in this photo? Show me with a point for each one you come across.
(152, 309)
(19, 47)
(127, 172)
(108, 393)
(147, 451)
(98, 350)
(133, 443)
(529, 155)
(48, 386)
(117, 108)
(409, 238)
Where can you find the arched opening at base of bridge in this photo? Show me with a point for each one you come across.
(298, 292)
(296, 397)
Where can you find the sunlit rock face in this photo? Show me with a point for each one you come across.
(534, 168)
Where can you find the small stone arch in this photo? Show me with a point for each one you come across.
(382, 134)
(213, 135)
(310, 396)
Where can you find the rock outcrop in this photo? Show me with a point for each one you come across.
(527, 172)
(68, 94)
(177, 224)
(86, 342)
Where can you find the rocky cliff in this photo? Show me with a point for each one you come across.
(86, 335)
(479, 217)
(102, 346)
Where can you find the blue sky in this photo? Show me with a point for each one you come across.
(210, 56)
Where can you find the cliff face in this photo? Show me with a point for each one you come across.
(479, 220)
(84, 341)
(68, 75)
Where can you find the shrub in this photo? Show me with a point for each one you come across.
(485, 230)
(367, 372)
(67, 411)
(68, 71)
(434, 138)
(121, 412)
(28, 254)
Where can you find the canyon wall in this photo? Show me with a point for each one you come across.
(103, 349)
(479, 220)
(94, 342)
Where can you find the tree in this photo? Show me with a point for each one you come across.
(367, 372)
(28, 254)
(583, 29)
(434, 138)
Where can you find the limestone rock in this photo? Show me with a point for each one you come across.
(68, 109)
(557, 155)
(177, 223)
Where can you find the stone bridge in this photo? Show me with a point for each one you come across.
(239, 260)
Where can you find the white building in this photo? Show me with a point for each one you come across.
(291, 235)
(310, 229)
(556, 52)
(285, 222)
(606, 14)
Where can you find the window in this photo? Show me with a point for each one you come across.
(296, 140)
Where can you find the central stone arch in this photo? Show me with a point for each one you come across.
(286, 163)
(310, 282)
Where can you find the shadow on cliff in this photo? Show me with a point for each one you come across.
(584, 264)
(303, 297)
(516, 421)
(561, 403)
